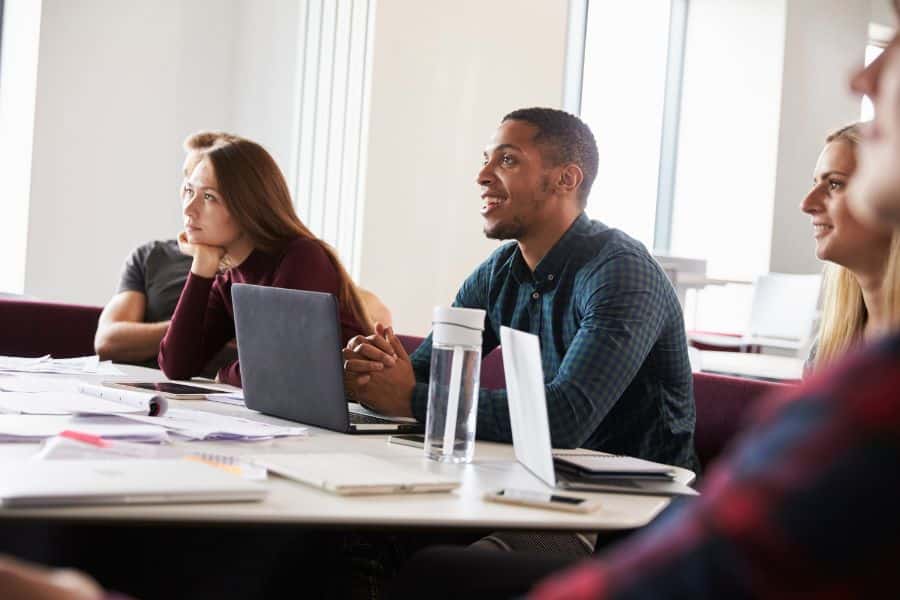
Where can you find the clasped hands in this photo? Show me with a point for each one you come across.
(378, 373)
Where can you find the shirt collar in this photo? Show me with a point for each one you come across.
(547, 270)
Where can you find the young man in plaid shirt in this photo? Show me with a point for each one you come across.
(613, 347)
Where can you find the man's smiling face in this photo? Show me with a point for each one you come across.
(515, 183)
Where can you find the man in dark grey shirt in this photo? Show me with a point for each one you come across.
(136, 319)
(158, 270)
(134, 322)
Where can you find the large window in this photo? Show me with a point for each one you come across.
(331, 124)
(629, 98)
(1, 29)
(684, 99)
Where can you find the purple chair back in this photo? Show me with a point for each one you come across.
(31, 328)
(410, 342)
(723, 406)
(492, 376)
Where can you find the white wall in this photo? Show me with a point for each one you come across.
(764, 81)
(19, 55)
(883, 13)
(444, 74)
(119, 86)
(264, 74)
(121, 83)
(825, 41)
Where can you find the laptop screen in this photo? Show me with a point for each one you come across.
(527, 402)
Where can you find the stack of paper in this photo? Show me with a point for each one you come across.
(74, 397)
(199, 425)
(45, 364)
(32, 428)
(235, 398)
(24, 382)
(59, 403)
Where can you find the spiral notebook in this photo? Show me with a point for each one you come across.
(597, 466)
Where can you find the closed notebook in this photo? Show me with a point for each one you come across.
(589, 471)
(127, 481)
(354, 474)
(609, 466)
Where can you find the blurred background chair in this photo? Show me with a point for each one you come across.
(782, 318)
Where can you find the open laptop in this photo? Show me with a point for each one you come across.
(531, 430)
(289, 345)
(37, 483)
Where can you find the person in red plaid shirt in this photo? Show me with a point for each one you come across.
(807, 504)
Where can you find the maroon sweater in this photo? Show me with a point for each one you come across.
(203, 321)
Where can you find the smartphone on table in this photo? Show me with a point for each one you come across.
(540, 499)
(416, 440)
(167, 389)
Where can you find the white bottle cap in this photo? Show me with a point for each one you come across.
(453, 326)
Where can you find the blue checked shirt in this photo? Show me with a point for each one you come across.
(613, 344)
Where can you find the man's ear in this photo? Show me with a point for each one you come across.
(570, 178)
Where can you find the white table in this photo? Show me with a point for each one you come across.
(748, 364)
(288, 502)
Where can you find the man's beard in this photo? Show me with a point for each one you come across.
(515, 228)
(505, 231)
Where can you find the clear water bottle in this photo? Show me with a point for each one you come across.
(453, 384)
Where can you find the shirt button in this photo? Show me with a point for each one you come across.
(550, 277)
(535, 295)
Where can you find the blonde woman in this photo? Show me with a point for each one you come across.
(862, 277)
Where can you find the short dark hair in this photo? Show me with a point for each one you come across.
(562, 138)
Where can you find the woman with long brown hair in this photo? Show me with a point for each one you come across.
(240, 227)
(861, 291)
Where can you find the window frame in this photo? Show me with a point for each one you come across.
(1, 31)
(669, 131)
(668, 150)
